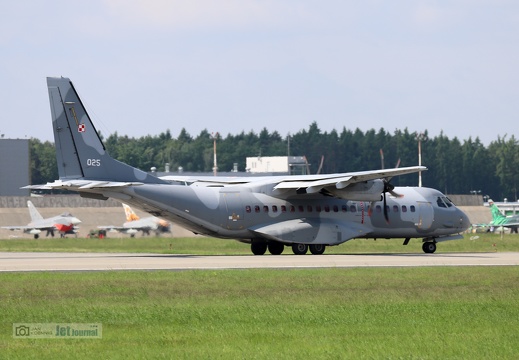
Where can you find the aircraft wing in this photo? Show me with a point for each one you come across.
(310, 182)
(29, 228)
(313, 183)
(505, 224)
(315, 230)
(110, 227)
(12, 228)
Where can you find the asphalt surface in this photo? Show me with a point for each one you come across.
(25, 261)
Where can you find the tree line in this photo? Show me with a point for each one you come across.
(454, 166)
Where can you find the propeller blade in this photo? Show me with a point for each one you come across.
(397, 195)
(370, 209)
(386, 216)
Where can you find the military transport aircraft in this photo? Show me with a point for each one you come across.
(135, 224)
(304, 212)
(64, 223)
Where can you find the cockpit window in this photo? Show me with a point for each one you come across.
(440, 202)
(447, 201)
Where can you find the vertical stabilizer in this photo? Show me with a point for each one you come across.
(35, 215)
(79, 150)
(130, 214)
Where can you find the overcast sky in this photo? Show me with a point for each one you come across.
(143, 67)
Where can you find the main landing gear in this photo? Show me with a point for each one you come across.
(429, 247)
(276, 248)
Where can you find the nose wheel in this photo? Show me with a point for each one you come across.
(429, 247)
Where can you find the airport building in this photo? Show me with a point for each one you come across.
(14, 167)
(292, 165)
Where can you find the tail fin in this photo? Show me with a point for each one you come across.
(497, 217)
(35, 215)
(130, 214)
(79, 150)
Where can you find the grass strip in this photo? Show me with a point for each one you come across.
(210, 246)
(364, 313)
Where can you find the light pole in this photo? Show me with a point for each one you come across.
(214, 136)
(420, 137)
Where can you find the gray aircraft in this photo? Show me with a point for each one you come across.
(135, 224)
(64, 223)
(269, 213)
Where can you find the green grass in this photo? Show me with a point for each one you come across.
(210, 246)
(364, 313)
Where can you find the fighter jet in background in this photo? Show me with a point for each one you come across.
(135, 224)
(64, 223)
(306, 212)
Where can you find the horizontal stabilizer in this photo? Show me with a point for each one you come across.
(82, 185)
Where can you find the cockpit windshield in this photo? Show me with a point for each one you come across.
(448, 201)
(444, 202)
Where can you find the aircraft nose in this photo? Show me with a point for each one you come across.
(464, 223)
(75, 221)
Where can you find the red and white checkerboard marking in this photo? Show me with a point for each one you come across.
(81, 128)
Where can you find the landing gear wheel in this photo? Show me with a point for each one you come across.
(275, 247)
(429, 247)
(258, 248)
(36, 236)
(317, 249)
(299, 249)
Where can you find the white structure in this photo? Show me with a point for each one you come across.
(277, 164)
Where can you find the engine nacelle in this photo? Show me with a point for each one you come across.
(364, 191)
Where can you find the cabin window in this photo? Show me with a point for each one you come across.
(292, 208)
(412, 208)
(283, 208)
(353, 208)
(344, 208)
(404, 208)
(395, 208)
(301, 208)
(248, 209)
(274, 208)
(265, 208)
(335, 208)
(327, 208)
(256, 208)
(309, 208)
(378, 209)
(318, 208)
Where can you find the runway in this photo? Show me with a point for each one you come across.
(26, 261)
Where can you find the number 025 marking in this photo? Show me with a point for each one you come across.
(93, 162)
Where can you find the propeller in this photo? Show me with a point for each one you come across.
(388, 188)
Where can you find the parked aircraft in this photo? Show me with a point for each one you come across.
(304, 212)
(500, 220)
(135, 224)
(64, 223)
